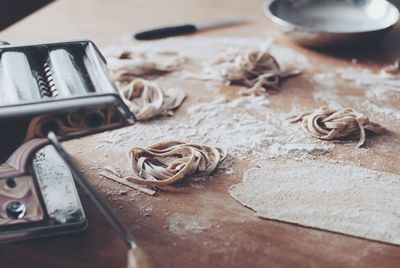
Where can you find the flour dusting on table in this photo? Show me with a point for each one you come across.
(244, 127)
(379, 92)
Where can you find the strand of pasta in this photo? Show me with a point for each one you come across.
(146, 99)
(165, 163)
(326, 124)
(254, 68)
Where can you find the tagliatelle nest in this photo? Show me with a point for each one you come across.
(326, 124)
(254, 68)
(130, 64)
(165, 163)
(146, 99)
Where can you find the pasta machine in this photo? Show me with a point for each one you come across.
(51, 92)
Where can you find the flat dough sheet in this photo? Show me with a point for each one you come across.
(335, 197)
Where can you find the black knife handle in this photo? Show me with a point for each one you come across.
(166, 32)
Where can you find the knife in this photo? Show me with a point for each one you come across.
(188, 28)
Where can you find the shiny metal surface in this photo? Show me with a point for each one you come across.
(220, 22)
(327, 23)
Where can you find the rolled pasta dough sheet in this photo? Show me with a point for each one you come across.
(335, 197)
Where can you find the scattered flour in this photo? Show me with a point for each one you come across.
(363, 76)
(380, 91)
(389, 112)
(325, 89)
(182, 225)
(244, 127)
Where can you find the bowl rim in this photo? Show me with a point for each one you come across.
(281, 22)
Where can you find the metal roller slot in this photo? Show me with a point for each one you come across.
(97, 70)
(64, 74)
(17, 80)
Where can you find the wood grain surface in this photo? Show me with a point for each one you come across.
(234, 237)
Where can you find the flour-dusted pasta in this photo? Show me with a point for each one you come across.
(326, 195)
(146, 99)
(326, 124)
(165, 163)
(254, 68)
(130, 64)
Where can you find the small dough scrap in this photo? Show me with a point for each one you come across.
(146, 99)
(254, 68)
(327, 124)
(128, 64)
(165, 163)
(391, 70)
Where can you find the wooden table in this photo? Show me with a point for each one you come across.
(238, 238)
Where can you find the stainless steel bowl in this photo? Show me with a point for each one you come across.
(327, 23)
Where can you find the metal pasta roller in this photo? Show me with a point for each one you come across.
(58, 89)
